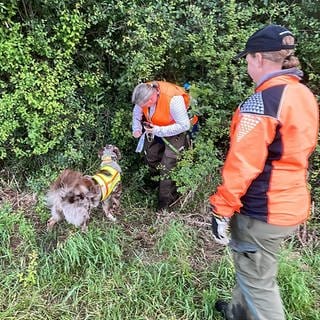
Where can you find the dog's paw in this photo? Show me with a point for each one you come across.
(84, 227)
(50, 224)
(111, 217)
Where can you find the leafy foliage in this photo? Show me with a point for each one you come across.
(67, 70)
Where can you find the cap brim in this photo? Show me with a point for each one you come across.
(241, 55)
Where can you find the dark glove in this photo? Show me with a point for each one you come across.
(219, 227)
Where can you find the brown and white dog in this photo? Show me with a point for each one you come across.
(73, 195)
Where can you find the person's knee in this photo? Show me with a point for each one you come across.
(168, 163)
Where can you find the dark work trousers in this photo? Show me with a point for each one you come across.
(255, 245)
(161, 159)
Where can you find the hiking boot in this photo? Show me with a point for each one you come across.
(166, 204)
(222, 307)
(162, 205)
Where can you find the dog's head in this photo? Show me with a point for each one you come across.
(71, 187)
(111, 151)
(93, 192)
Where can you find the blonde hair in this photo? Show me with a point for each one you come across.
(142, 93)
(284, 56)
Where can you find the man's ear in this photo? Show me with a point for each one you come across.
(259, 59)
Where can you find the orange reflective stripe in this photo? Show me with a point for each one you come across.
(107, 179)
(99, 179)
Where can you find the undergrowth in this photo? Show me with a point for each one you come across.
(146, 266)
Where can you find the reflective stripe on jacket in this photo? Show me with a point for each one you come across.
(107, 178)
(167, 90)
(272, 135)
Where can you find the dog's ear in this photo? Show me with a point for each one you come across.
(100, 152)
(64, 179)
(103, 150)
(89, 184)
(87, 181)
(117, 152)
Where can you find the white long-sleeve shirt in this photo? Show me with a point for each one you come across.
(178, 113)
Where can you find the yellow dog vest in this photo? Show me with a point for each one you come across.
(107, 179)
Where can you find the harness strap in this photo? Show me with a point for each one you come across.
(170, 145)
(107, 179)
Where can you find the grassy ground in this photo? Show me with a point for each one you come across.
(146, 266)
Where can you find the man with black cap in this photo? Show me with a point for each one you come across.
(264, 194)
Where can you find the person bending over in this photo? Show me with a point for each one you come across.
(161, 121)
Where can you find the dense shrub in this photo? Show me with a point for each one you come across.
(67, 70)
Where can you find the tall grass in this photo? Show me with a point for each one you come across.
(107, 274)
(300, 286)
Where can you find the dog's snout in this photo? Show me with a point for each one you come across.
(71, 199)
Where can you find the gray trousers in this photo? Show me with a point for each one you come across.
(255, 245)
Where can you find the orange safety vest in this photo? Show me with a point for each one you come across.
(166, 90)
(272, 136)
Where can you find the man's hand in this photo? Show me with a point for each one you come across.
(137, 133)
(148, 127)
(219, 227)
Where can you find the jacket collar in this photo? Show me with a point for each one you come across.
(290, 72)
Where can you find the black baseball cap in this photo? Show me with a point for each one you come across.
(269, 38)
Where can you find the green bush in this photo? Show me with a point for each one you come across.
(68, 69)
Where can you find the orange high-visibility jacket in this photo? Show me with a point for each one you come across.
(272, 136)
(167, 90)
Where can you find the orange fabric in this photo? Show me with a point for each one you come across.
(167, 90)
(194, 120)
(271, 153)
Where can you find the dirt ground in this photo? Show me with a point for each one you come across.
(144, 231)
